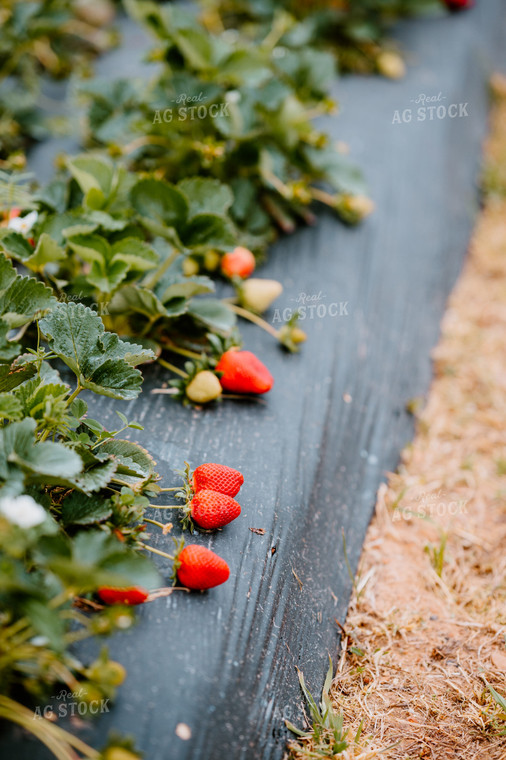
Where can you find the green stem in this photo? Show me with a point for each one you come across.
(152, 279)
(154, 522)
(74, 395)
(166, 506)
(323, 197)
(43, 728)
(183, 352)
(249, 315)
(173, 488)
(157, 551)
(172, 368)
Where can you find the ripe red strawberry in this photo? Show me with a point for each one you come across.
(133, 595)
(200, 568)
(238, 263)
(243, 372)
(217, 477)
(458, 5)
(211, 509)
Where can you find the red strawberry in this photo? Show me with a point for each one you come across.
(200, 568)
(243, 372)
(212, 510)
(458, 5)
(217, 477)
(238, 263)
(133, 595)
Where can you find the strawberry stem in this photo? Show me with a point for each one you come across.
(172, 368)
(245, 314)
(154, 522)
(157, 551)
(173, 488)
(323, 197)
(183, 351)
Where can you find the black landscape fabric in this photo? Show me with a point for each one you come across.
(314, 452)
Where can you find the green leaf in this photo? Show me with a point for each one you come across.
(21, 298)
(139, 256)
(80, 509)
(206, 196)
(19, 449)
(47, 251)
(16, 246)
(213, 313)
(208, 230)
(94, 175)
(97, 559)
(10, 407)
(96, 477)
(336, 169)
(160, 205)
(14, 375)
(101, 361)
(131, 458)
(46, 622)
(91, 248)
(131, 298)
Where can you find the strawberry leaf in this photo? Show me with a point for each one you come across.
(18, 450)
(101, 361)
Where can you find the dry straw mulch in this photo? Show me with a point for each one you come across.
(426, 630)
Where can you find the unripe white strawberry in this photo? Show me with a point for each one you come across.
(391, 65)
(211, 260)
(257, 295)
(204, 387)
(353, 208)
(190, 266)
(95, 12)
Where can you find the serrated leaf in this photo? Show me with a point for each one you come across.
(92, 173)
(19, 449)
(36, 396)
(10, 407)
(131, 298)
(101, 361)
(157, 201)
(14, 375)
(213, 313)
(21, 297)
(47, 251)
(80, 509)
(15, 245)
(91, 248)
(206, 196)
(132, 459)
(208, 230)
(138, 255)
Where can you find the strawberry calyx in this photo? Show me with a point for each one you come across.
(179, 544)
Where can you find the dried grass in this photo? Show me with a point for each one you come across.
(428, 630)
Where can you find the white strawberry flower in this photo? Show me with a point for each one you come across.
(22, 511)
(23, 224)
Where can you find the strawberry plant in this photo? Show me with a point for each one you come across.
(73, 497)
(47, 39)
(355, 30)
